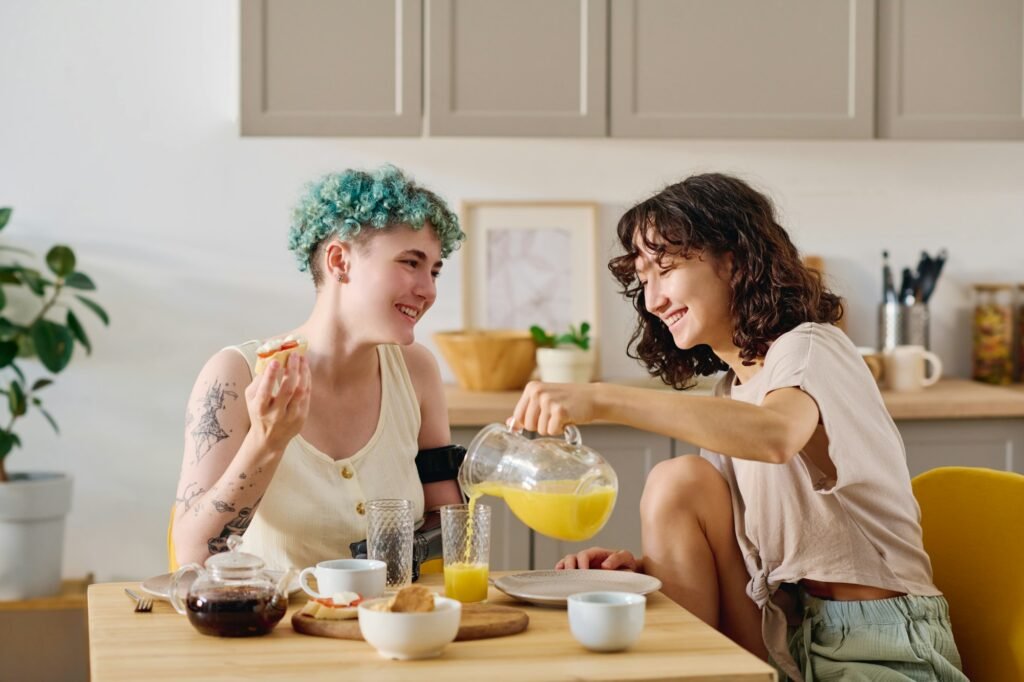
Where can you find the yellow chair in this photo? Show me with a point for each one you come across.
(973, 523)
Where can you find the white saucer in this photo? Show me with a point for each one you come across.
(552, 588)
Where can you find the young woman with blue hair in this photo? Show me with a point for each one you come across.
(293, 469)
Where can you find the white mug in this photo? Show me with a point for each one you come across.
(606, 621)
(365, 577)
(905, 368)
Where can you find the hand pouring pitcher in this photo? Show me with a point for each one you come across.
(556, 486)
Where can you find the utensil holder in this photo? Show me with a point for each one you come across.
(903, 325)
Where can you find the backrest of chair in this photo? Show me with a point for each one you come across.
(973, 523)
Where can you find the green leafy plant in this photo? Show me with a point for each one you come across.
(39, 335)
(575, 337)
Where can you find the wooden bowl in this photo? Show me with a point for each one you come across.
(489, 360)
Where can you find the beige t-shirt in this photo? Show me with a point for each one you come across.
(794, 522)
(315, 506)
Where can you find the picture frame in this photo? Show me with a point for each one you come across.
(530, 262)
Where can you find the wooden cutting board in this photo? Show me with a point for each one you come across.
(479, 621)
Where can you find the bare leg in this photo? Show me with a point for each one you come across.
(690, 545)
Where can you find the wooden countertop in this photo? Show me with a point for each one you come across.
(948, 399)
(124, 645)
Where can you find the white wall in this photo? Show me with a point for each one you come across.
(119, 136)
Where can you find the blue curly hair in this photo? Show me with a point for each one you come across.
(344, 204)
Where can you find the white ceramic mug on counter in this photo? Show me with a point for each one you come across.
(905, 368)
(365, 577)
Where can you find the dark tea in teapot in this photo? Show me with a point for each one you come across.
(235, 611)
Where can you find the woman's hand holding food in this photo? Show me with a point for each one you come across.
(549, 408)
(599, 557)
(276, 418)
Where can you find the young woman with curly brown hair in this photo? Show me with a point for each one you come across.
(796, 532)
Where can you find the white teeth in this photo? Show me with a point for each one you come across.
(669, 321)
(406, 310)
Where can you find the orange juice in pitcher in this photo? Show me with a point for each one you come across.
(556, 486)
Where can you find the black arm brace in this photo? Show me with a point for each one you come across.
(440, 464)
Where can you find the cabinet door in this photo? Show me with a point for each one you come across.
(742, 68)
(510, 539)
(951, 69)
(632, 454)
(529, 67)
(991, 443)
(331, 67)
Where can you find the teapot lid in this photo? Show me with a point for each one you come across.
(233, 560)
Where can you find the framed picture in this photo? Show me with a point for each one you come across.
(530, 263)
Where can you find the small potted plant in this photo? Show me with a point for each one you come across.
(33, 504)
(565, 358)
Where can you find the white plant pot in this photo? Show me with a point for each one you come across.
(565, 365)
(32, 511)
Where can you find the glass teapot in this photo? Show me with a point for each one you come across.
(232, 596)
(556, 486)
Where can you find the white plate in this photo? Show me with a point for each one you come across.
(552, 588)
(159, 586)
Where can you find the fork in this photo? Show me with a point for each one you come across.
(142, 605)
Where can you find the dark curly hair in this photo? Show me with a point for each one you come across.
(772, 290)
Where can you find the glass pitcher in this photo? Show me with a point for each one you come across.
(232, 596)
(556, 486)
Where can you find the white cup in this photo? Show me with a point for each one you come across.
(905, 368)
(606, 621)
(365, 577)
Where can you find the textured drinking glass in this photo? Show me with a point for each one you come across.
(466, 537)
(389, 529)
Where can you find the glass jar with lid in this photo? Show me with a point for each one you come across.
(993, 333)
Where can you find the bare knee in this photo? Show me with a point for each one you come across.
(688, 483)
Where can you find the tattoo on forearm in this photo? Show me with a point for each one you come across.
(208, 432)
(235, 526)
(222, 506)
(188, 495)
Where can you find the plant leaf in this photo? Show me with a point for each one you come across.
(49, 418)
(17, 440)
(8, 351)
(584, 328)
(79, 280)
(26, 348)
(61, 260)
(54, 344)
(541, 337)
(15, 249)
(32, 280)
(79, 332)
(40, 384)
(6, 443)
(17, 370)
(16, 400)
(8, 331)
(93, 306)
(5, 215)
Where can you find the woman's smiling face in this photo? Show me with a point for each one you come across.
(690, 293)
(392, 283)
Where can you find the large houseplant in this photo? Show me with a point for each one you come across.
(36, 322)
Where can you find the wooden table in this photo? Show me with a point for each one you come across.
(161, 645)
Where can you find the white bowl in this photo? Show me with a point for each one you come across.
(606, 621)
(406, 636)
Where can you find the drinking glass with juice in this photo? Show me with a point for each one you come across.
(466, 537)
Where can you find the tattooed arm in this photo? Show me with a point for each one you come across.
(235, 435)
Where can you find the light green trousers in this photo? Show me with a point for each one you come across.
(899, 639)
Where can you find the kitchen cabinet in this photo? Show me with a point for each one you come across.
(951, 69)
(530, 67)
(331, 67)
(742, 68)
(991, 443)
